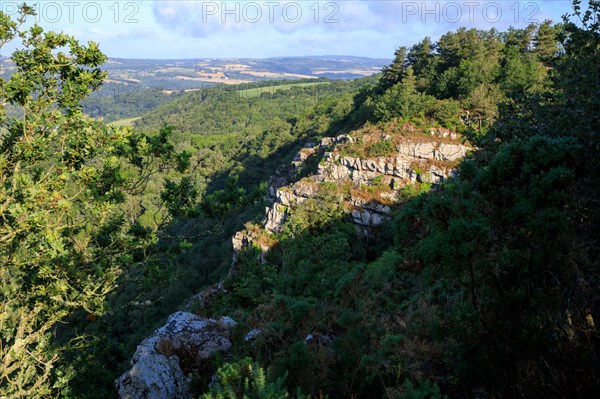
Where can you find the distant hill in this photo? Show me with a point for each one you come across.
(188, 74)
(194, 73)
(136, 86)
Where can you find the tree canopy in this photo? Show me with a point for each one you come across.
(63, 176)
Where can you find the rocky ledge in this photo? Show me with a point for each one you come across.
(162, 363)
(416, 160)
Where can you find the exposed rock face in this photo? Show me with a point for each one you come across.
(161, 362)
(244, 239)
(414, 162)
(417, 160)
(440, 132)
(366, 216)
(286, 197)
(253, 334)
(204, 298)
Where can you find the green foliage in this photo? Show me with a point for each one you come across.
(371, 149)
(392, 74)
(244, 380)
(382, 148)
(424, 390)
(482, 287)
(179, 197)
(473, 71)
(447, 113)
(382, 270)
(65, 233)
(220, 202)
(545, 41)
(517, 196)
(414, 190)
(423, 61)
(315, 212)
(114, 102)
(403, 100)
(191, 205)
(63, 242)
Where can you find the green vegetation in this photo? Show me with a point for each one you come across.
(232, 145)
(461, 81)
(481, 287)
(485, 286)
(65, 238)
(124, 122)
(244, 379)
(237, 142)
(271, 89)
(115, 102)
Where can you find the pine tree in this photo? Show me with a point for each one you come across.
(393, 72)
(422, 59)
(545, 41)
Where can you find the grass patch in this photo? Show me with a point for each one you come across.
(257, 91)
(124, 122)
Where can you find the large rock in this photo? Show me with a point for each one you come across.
(161, 362)
(276, 214)
(275, 217)
(418, 150)
(411, 160)
(450, 152)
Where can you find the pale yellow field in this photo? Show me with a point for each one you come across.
(236, 67)
(215, 79)
(277, 75)
(363, 72)
(124, 122)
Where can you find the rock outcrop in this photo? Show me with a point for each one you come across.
(161, 364)
(429, 162)
(414, 162)
(418, 159)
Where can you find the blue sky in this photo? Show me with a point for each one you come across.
(257, 29)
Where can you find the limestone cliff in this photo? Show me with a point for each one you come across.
(371, 183)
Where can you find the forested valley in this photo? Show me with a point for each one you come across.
(471, 276)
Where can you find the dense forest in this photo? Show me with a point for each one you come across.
(484, 285)
(113, 102)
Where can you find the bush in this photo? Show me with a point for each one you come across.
(244, 379)
(447, 113)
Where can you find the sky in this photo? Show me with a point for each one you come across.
(176, 29)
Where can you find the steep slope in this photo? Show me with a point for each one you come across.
(387, 159)
(232, 150)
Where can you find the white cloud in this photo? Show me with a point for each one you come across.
(207, 28)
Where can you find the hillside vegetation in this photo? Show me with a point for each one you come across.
(484, 284)
(480, 288)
